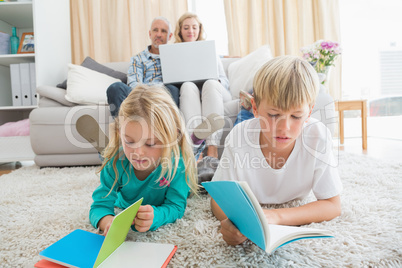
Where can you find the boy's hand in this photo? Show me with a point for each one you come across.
(144, 218)
(231, 234)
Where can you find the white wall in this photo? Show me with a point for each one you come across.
(52, 40)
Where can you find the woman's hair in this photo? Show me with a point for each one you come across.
(286, 82)
(154, 105)
(177, 32)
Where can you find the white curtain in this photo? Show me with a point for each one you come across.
(285, 25)
(115, 30)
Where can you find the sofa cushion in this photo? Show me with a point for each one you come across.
(85, 86)
(121, 66)
(53, 93)
(95, 66)
(241, 72)
(46, 102)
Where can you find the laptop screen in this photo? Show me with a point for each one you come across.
(189, 61)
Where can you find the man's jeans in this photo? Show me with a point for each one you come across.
(118, 92)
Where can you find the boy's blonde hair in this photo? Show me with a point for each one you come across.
(177, 32)
(286, 82)
(155, 106)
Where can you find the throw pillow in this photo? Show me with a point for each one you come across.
(11, 129)
(241, 73)
(94, 65)
(85, 86)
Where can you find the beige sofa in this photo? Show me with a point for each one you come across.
(55, 140)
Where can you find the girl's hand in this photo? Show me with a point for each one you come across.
(231, 234)
(104, 224)
(144, 218)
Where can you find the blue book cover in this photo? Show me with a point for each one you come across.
(85, 249)
(79, 248)
(241, 206)
(231, 198)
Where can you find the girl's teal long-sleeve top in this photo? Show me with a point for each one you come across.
(168, 201)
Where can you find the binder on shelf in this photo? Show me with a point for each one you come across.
(25, 84)
(16, 84)
(32, 74)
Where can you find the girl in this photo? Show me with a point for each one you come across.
(148, 156)
(199, 102)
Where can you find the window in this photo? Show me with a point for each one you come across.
(212, 15)
(371, 38)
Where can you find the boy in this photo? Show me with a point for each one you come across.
(282, 153)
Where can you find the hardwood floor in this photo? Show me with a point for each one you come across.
(6, 168)
(384, 137)
(380, 148)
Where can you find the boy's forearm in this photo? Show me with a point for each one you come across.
(318, 211)
(217, 211)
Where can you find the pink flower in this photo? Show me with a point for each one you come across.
(323, 53)
(328, 45)
(163, 182)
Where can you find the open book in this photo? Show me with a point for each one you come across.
(242, 208)
(85, 249)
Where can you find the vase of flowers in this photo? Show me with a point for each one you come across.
(322, 55)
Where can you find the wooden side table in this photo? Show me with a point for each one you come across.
(361, 105)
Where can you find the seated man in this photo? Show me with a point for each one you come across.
(145, 67)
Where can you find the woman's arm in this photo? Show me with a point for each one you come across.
(318, 211)
(222, 76)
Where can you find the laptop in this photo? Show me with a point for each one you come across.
(188, 61)
(85, 249)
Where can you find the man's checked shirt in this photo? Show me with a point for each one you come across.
(145, 68)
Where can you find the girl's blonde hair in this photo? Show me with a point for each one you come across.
(155, 106)
(177, 32)
(286, 82)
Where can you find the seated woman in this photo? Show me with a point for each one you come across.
(199, 101)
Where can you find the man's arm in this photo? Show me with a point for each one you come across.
(135, 73)
(318, 211)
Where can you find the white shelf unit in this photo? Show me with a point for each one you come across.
(19, 15)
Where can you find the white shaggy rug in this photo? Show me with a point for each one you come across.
(40, 206)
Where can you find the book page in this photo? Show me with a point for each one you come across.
(139, 254)
(118, 231)
(281, 234)
(259, 211)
